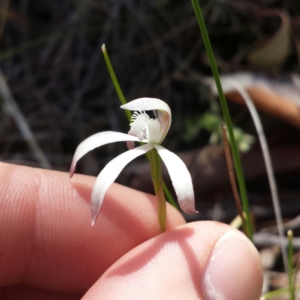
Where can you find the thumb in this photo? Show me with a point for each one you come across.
(201, 260)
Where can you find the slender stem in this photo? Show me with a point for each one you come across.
(155, 163)
(234, 149)
(128, 113)
(295, 277)
(232, 177)
(290, 260)
(115, 81)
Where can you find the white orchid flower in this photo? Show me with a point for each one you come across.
(142, 129)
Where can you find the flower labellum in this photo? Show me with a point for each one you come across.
(146, 130)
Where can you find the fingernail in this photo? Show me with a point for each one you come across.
(234, 270)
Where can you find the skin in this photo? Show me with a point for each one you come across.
(48, 249)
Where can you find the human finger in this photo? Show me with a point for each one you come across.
(45, 233)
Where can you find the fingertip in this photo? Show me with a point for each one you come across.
(233, 270)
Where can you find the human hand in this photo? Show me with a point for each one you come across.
(48, 249)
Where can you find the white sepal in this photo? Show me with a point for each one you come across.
(181, 179)
(97, 140)
(108, 175)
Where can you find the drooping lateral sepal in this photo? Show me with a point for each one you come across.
(181, 179)
(108, 175)
(98, 140)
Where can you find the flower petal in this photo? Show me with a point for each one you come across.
(144, 104)
(108, 175)
(161, 110)
(97, 140)
(181, 179)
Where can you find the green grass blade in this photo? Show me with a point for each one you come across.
(276, 293)
(169, 197)
(290, 263)
(234, 149)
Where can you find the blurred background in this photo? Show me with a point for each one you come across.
(55, 89)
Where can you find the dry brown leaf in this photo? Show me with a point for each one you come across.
(277, 97)
(272, 52)
(271, 103)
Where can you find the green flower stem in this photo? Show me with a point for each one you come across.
(234, 149)
(128, 113)
(115, 81)
(155, 164)
(290, 264)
